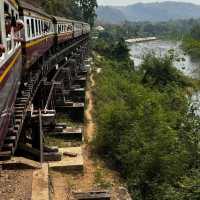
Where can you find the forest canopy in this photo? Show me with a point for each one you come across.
(74, 9)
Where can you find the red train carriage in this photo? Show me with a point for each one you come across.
(63, 29)
(38, 33)
(10, 63)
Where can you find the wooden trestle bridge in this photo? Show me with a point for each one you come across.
(56, 85)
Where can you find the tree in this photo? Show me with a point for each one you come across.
(195, 31)
(88, 8)
(121, 50)
(160, 72)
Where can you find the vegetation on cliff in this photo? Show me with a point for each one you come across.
(75, 9)
(145, 126)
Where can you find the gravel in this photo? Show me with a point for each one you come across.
(16, 185)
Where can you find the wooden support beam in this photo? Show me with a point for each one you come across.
(41, 139)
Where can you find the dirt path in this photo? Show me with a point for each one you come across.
(86, 182)
(90, 126)
(95, 174)
(60, 186)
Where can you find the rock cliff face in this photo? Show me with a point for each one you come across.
(149, 12)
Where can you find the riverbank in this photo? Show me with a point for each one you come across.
(139, 40)
(160, 48)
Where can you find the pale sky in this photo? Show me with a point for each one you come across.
(127, 2)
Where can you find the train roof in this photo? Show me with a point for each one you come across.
(61, 19)
(28, 6)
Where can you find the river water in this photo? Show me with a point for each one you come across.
(187, 65)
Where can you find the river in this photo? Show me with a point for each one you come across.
(187, 65)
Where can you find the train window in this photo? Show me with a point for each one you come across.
(45, 27)
(8, 23)
(39, 27)
(48, 25)
(51, 27)
(2, 48)
(36, 26)
(28, 28)
(33, 27)
(42, 26)
(12, 12)
(6, 8)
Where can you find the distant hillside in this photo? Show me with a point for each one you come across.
(154, 12)
(110, 14)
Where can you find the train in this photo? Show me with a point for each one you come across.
(27, 35)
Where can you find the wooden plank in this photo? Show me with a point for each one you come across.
(94, 195)
(5, 155)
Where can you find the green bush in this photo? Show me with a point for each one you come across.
(144, 127)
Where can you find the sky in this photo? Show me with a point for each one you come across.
(127, 2)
